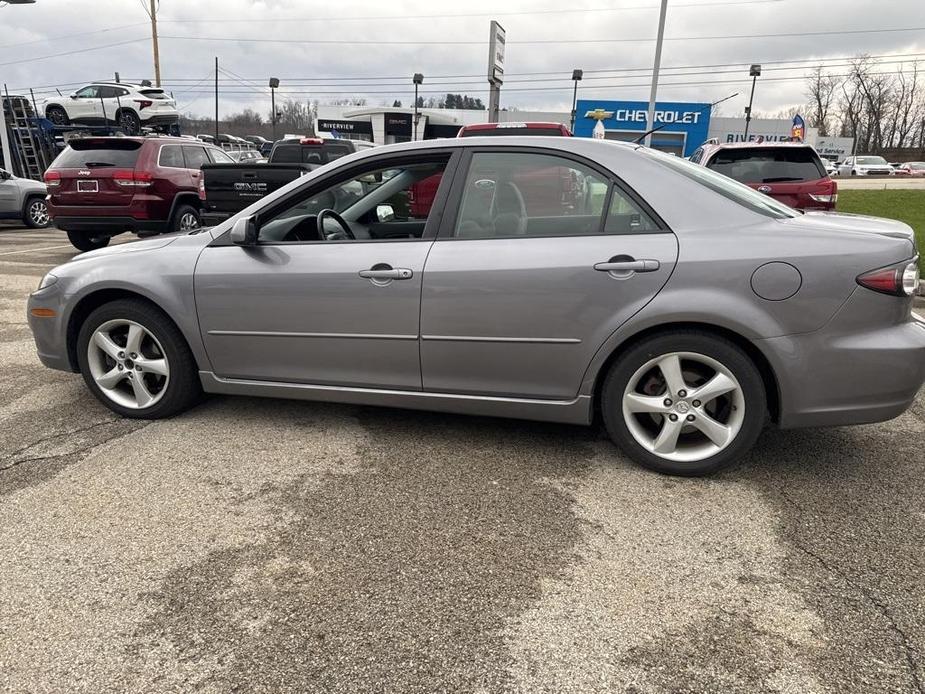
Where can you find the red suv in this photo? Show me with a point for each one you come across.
(489, 129)
(790, 172)
(102, 186)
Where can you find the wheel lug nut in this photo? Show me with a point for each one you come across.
(134, 356)
(121, 355)
(668, 402)
(696, 403)
(690, 418)
(673, 417)
(137, 368)
(682, 393)
(120, 367)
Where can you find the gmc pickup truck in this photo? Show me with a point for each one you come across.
(226, 189)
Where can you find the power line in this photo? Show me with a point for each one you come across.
(377, 42)
(70, 36)
(81, 50)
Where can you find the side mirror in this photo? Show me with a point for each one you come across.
(74, 96)
(385, 213)
(244, 232)
(5, 175)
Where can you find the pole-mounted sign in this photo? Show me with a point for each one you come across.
(495, 70)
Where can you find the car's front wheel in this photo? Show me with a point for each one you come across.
(87, 241)
(684, 403)
(136, 361)
(35, 214)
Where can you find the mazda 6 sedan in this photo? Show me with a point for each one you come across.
(557, 279)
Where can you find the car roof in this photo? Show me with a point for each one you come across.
(755, 143)
(513, 124)
(131, 85)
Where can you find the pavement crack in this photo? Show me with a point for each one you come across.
(908, 649)
(51, 437)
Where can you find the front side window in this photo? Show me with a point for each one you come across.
(513, 194)
(378, 203)
(88, 93)
(219, 157)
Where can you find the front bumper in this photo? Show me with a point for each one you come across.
(50, 334)
(850, 372)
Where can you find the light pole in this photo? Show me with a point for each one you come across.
(650, 117)
(418, 80)
(576, 78)
(754, 72)
(274, 83)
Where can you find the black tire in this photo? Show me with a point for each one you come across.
(57, 115)
(35, 213)
(86, 241)
(730, 355)
(181, 215)
(129, 122)
(183, 388)
(854, 173)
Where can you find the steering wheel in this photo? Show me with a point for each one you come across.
(345, 232)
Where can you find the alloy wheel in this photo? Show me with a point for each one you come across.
(683, 406)
(128, 364)
(38, 213)
(189, 221)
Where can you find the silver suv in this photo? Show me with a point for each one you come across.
(23, 199)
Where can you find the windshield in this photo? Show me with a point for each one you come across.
(872, 160)
(725, 186)
(504, 132)
(768, 164)
(917, 165)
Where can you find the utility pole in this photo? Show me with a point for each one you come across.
(650, 118)
(152, 13)
(216, 100)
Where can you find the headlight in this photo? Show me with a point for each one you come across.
(47, 281)
(911, 278)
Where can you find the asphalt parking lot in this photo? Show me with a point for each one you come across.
(274, 546)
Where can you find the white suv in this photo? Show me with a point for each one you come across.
(866, 165)
(130, 106)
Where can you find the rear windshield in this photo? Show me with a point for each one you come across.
(308, 154)
(491, 132)
(87, 155)
(725, 186)
(769, 164)
(153, 93)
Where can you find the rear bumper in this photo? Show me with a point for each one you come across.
(846, 374)
(159, 119)
(109, 225)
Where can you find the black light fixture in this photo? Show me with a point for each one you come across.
(418, 80)
(576, 78)
(754, 72)
(274, 83)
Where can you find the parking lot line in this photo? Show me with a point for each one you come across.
(37, 250)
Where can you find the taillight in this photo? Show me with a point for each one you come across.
(202, 188)
(142, 104)
(52, 179)
(311, 141)
(127, 178)
(901, 279)
(826, 192)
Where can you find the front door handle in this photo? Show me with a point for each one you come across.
(628, 266)
(398, 273)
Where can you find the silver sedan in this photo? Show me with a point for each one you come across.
(557, 279)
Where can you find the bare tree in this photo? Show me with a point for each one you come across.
(822, 91)
(909, 107)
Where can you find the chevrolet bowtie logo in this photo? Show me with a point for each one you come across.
(599, 114)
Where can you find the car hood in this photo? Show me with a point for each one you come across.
(196, 239)
(839, 221)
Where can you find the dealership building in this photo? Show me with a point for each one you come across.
(685, 125)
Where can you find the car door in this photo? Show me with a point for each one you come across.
(336, 311)
(9, 195)
(84, 106)
(518, 297)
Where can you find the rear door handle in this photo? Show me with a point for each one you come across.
(399, 273)
(628, 266)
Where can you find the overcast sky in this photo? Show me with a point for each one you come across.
(610, 36)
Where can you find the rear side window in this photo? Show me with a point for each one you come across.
(85, 155)
(171, 156)
(195, 156)
(768, 164)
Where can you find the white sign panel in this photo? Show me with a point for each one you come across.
(496, 54)
(834, 147)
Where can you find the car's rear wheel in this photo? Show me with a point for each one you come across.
(35, 213)
(86, 240)
(186, 218)
(129, 122)
(684, 403)
(57, 115)
(136, 361)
